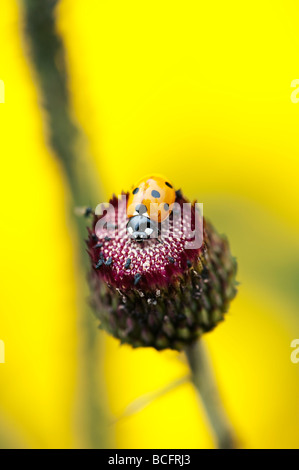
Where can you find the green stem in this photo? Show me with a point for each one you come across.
(205, 383)
(48, 57)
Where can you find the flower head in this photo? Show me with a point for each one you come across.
(163, 291)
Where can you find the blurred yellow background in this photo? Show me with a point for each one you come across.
(200, 93)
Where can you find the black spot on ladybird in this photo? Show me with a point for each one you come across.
(141, 209)
(135, 191)
(168, 184)
(155, 193)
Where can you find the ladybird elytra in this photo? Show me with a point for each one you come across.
(151, 197)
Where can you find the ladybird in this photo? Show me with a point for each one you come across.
(149, 203)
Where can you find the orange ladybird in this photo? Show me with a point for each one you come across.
(149, 203)
(156, 194)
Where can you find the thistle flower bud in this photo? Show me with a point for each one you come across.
(159, 292)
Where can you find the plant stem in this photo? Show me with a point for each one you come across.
(205, 383)
(48, 57)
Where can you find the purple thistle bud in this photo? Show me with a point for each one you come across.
(160, 291)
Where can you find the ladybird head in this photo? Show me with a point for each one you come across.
(151, 197)
(142, 228)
